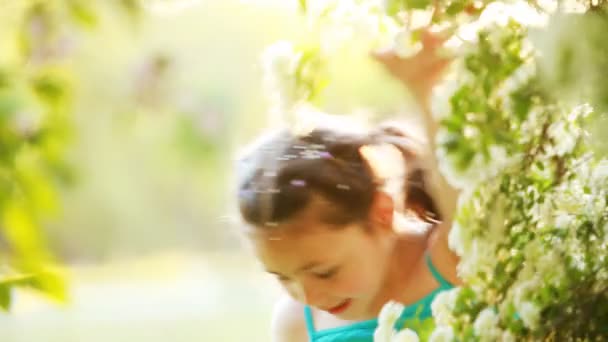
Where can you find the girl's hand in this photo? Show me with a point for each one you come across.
(421, 72)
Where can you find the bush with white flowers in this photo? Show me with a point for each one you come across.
(523, 111)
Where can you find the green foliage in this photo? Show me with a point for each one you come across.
(572, 64)
(35, 131)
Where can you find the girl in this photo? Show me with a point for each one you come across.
(319, 219)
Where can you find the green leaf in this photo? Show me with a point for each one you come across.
(464, 157)
(393, 7)
(455, 7)
(454, 123)
(417, 4)
(21, 230)
(50, 88)
(5, 78)
(9, 104)
(51, 283)
(82, 13)
(5, 297)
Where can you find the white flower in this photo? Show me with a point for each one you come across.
(442, 334)
(500, 13)
(486, 325)
(564, 136)
(563, 220)
(529, 313)
(496, 224)
(600, 173)
(526, 284)
(390, 313)
(570, 199)
(551, 265)
(350, 23)
(479, 168)
(443, 304)
(455, 239)
(481, 257)
(406, 335)
(383, 333)
(440, 98)
(508, 336)
(518, 78)
(545, 213)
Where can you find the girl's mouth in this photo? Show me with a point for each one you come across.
(340, 308)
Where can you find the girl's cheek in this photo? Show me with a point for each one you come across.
(351, 285)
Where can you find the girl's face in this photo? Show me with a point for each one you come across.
(340, 270)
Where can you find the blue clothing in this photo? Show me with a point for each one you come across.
(415, 315)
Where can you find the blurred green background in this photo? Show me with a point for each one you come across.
(161, 101)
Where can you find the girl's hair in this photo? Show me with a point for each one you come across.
(279, 176)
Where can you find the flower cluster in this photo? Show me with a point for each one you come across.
(386, 326)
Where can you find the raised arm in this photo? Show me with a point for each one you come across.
(420, 73)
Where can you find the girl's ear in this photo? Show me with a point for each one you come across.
(381, 213)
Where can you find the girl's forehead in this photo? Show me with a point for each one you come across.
(319, 212)
(312, 219)
(295, 244)
(300, 233)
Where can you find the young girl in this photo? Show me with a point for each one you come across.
(319, 219)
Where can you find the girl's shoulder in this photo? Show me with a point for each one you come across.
(442, 257)
(288, 321)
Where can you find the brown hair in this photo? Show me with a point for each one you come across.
(279, 176)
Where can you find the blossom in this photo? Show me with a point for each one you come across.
(455, 239)
(383, 333)
(486, 325)
(480, 257)
(564, 137)
(347, 21)
(500, 13)
(564, 220)
(507, 336)
(478, 170)
(406, 335)
(529, 313)
(442, 334)
(443, 304)
(440, 97)
(390, 313)
(600, 173)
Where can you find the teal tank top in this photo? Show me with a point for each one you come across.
(415, 316)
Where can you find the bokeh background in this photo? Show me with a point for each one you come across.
(161, 104)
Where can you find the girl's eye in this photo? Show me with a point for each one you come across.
(328, 274)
